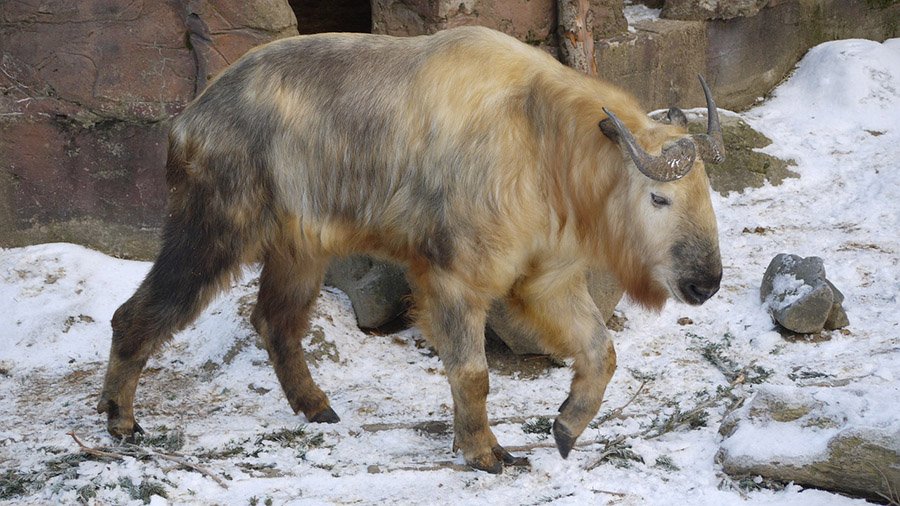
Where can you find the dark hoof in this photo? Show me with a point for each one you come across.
(489, 464)
(137, 434)
(117, 426)
(508, 459)
(564, 439)
(121, 429)
(326, 416)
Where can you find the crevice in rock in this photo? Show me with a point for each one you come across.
(316, 16)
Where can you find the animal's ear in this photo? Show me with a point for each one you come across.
(676, 117)
(609, 130)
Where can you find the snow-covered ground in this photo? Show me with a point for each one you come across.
(218, 404)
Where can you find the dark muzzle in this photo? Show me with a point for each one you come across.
(698, 290)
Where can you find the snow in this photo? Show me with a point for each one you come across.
(786, 290)
(836, 117)
(637, 12)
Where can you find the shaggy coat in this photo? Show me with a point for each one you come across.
(474, 160)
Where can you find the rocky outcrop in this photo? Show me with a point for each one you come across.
(839, 439)
(86, 89)
(743, 52)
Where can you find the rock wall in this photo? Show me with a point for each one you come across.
(85, 91)
(533, 21)
(744, 48)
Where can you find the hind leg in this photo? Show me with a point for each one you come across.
(288, 287)
(187, 274)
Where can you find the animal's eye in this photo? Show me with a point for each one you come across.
(659, 200)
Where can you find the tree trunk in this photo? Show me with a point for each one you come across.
(576, 42)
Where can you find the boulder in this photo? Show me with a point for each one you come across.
(842, 439)
(798, 296)
(377, 290)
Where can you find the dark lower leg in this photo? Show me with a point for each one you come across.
(287, 293)
(187, 274)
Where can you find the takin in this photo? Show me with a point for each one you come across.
(485, 167)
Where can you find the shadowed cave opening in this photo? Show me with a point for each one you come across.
(316, 16)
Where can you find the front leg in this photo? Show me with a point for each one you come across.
(594, 367)
(557, 308)
(453, 319)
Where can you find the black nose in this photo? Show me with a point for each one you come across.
(698, 291)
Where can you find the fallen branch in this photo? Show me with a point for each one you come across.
(431, 466)
(444, 427)
(440, 426)
(139, 452)
(617, 413)
(669, 424)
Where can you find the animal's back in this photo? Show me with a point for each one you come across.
(380, 132)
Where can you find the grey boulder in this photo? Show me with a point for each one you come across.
(797, 294)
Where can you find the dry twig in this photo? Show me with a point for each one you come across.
(132, 450)
(669, 424)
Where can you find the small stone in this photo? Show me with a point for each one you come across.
(837, 319)
(797, 294)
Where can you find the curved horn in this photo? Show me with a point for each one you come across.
(673, 163)
(710, 146)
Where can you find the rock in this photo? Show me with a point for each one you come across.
(701, 10)
(377, 289)
(838, 317)
(532, 21)
(798, 295)
(838, 439)
(642, 62)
